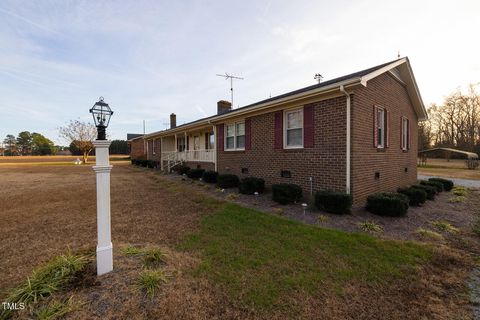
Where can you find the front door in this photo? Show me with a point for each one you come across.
(196, 146)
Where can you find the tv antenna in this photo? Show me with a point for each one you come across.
(318, 77)
(231, 77)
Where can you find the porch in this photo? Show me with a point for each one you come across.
(189, 146)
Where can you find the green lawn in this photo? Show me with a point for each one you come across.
(261, 259)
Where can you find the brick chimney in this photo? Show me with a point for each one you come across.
(223, 107)
(173, 120)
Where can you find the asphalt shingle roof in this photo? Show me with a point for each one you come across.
(291, 93)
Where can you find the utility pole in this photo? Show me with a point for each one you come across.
(231, 77)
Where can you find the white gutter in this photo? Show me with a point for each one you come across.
(347, 183)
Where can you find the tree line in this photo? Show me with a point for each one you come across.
(453, 124)
(79, 134)
(28, 144)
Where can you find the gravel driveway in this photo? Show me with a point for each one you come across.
(461, 182)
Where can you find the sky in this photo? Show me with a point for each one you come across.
(151, 58)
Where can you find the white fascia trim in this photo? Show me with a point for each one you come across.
(378, 72)
(417, 92)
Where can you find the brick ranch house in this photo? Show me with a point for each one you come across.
(354, 134)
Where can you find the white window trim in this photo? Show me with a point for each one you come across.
(381, 137)
(153, 146)
(234, 136)
(405, 133)
(285, 112)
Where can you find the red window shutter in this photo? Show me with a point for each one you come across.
(206, 140)
(278, 130)
(248, 134)
(408, 134)
(375, 127)
(387, 129)
(401, 133)
(308, 127)
(220, 132)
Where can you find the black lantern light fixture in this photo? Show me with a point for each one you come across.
(101, 116)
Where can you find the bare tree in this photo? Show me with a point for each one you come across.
(456, 122)
(81, 134)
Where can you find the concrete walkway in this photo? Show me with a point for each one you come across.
(460, 182)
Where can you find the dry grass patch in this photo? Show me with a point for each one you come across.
(429, 234)
(445, 226)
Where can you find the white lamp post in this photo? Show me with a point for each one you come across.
(101, 115)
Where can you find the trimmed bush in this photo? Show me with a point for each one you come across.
(227, 181)
(416, 196)
(195, 173)
(182, 169)
(250, 185)
(388, 204)
(437, 185)
(430, 190)
(333, 202)
(284, 193)
(447, 184)
(210, 176)
(152, 164)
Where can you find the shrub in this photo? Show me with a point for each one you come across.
(437, 185)
(284, 193)
(447, 184)
(460, 191)
(370, 226)
(227, 181)
(150, 280)
(210, 176)
(251, 185)
(195, 173)
(431, 191)
(416, 196)
(333, 202)
(182, 169)
(388, 204)
(151, 164)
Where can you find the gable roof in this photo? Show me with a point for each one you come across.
(357, 78)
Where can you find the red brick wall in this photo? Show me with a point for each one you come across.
(137, 148)
(325, 162)
(391, 162)
(158, 145)
(201, 165)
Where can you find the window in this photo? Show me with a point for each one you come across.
(405, 134)
(153, 146)
(235, 136)
(211, 141)
(294, 129)
(380, 128)
(240, 135)
(181, 144)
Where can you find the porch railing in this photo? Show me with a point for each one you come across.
(206, 155)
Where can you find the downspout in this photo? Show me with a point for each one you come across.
(348, 151)
(215, 160)
(215, 147)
